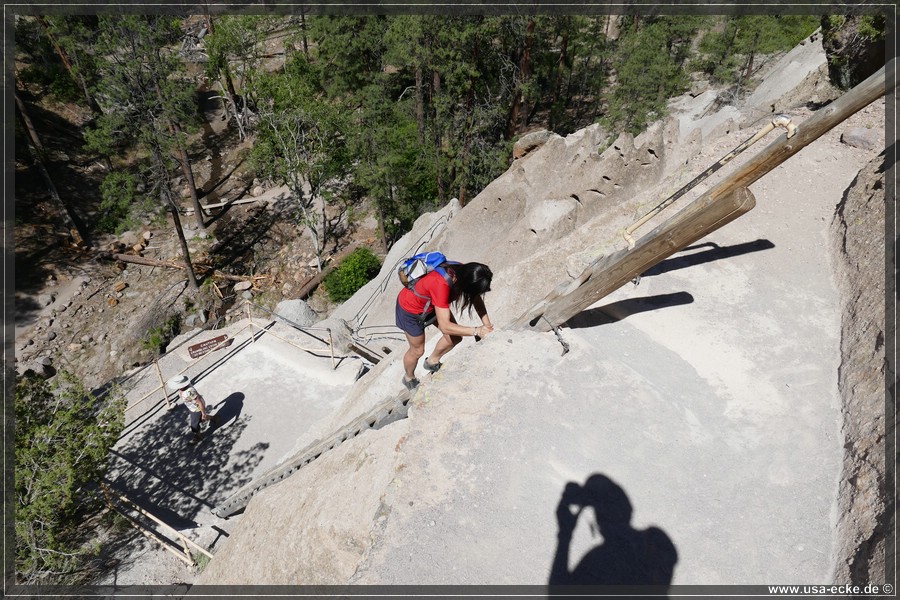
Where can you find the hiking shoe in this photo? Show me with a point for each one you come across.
(410, 384)
(432, 368)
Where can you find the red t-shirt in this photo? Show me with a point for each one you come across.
(432, 285)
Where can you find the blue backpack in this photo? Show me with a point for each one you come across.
(416, 267)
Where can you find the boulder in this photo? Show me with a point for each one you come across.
(531, 141)
(862, 137)
(297, 311)
(128, 239)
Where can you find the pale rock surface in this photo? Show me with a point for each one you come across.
(709, 393)
(297, 311)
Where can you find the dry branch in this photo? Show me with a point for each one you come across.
(151, 262)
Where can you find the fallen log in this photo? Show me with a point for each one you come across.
(609, 273)
(151, 262)
(311, 284)
(147, 262)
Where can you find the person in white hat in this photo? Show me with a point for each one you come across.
(193, 401)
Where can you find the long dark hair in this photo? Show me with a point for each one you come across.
(473, 280)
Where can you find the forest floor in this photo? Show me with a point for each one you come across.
(70, 300)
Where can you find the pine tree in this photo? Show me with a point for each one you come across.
(234, 49)
(147, 104)
(62, 438)
(301, 144)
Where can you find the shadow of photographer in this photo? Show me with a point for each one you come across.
(626, 557)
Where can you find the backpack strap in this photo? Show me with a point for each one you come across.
(440, 269)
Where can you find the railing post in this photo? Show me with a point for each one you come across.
(250, 320)
(162, 384)
(184, 546)
(331, 347)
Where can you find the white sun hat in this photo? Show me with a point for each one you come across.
(178, 382)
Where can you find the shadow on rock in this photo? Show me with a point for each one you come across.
(157, 466)
(715, 252)
(616, 311)
(229, 409)
(627, 556)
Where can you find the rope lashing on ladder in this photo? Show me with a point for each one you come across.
(778, 121)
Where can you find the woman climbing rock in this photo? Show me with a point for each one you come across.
(426, 301)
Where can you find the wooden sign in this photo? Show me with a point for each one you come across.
(198, 350)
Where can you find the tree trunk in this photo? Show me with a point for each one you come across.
(59, 51)
(303, 29)
(67, 63)
(186, 253)
(557, 78)
(381, 230)
(525, 113)
(175, 129)
(609, 273)
(189, 176)
(420, 104)
(749, 70)
(438, 140)
(518, 111)
(467, 135)
(463, 159)
(231, 102)
(76, 230)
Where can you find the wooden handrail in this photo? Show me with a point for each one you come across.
(703, 215)
(185, 541)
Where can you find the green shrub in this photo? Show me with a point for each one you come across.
(63, 435)
(118, 192)
(356, 270)
(53, 78)
(158, 337)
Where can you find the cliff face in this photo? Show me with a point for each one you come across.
(858, 236)
(706, 398)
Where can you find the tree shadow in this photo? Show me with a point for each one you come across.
(65, 161)
(211, 149)
(715, 252)
(236, 248)
(219, 213)
(626, 557)
(161, 471)
(616, 311)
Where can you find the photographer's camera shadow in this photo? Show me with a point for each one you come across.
(626, 557)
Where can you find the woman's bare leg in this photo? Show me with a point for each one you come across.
(444, 345)
(413, 354)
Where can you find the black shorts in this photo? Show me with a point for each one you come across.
(412, 324)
